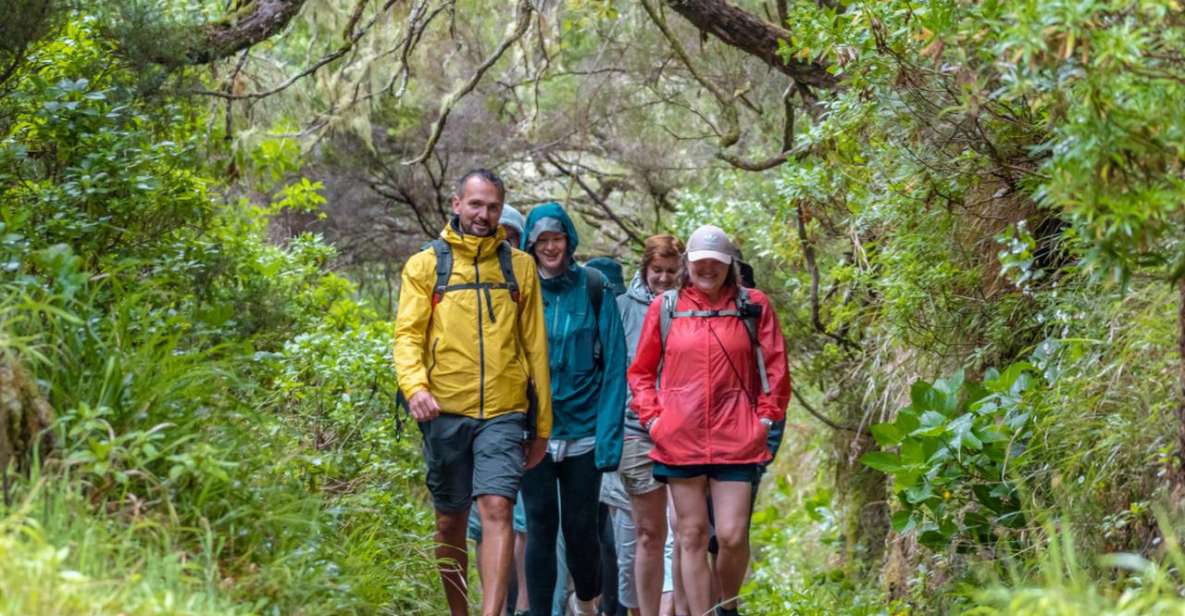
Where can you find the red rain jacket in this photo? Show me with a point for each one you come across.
(710, 402)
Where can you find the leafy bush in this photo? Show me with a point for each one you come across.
(954, 443)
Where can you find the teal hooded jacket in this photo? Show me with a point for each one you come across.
(587, 388)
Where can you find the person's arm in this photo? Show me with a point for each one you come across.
(611, 401)
(533, 331)
(772, 406)
(643, 372)
(411, 327)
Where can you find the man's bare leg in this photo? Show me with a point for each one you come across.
(497, 550)
(522, 602)
(452, 557)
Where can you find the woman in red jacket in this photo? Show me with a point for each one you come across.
(707, 404)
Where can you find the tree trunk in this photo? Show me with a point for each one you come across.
(752, 35)
(25, 418)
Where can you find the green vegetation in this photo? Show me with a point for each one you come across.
(224, 441)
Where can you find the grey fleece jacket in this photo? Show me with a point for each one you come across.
(632, 305)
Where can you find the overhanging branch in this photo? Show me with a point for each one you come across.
(249, 25)
(752, 35)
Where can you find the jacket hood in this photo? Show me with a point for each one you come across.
(638, 291)
(554, 211)
(512, 218)
(612, 271)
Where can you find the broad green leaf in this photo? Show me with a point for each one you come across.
(913, 452)
(886, 434)
(903, 521)
(882, 461)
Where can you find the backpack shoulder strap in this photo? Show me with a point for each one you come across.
(596, 291)
(749, 317)
(444, 268)
(506, 264)
(670, 299)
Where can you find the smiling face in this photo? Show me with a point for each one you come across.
(662, 274)
(478, 207)
(551, 251)
(708, 275)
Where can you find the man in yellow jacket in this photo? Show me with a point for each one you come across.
(470, 343)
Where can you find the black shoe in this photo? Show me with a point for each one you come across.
(723, 611)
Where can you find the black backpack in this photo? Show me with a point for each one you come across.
(444, 269)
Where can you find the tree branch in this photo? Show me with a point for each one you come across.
(523, 21)
(808, 252)
(810, 409)
(752, 35)
(595, 197)
(732, 132)
(256, 22)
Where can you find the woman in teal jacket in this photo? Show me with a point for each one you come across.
(586, 346)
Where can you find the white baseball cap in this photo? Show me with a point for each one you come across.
(710, 242)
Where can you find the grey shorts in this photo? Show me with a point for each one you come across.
(470, 457)
(637, 468)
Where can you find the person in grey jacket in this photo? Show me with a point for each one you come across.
(662, 269)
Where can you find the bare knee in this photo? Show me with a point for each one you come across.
(732, 537)
(693, 536)
(448, 524)
(495, 510)
(651, 535)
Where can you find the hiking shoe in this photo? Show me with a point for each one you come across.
(582, 608)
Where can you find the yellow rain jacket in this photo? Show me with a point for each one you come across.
(475, 351)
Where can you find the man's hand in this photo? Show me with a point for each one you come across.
(423, 406)
(534, 450)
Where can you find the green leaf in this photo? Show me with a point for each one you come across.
(907, 420)
(882, 461)
(919, 494)
(931, 423)
(962, 434)
(903, 521)
(913, 452)
(886, 434)
(934, 539)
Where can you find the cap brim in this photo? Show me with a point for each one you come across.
(700, 255)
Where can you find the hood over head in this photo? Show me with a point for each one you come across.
(512, 218)
(612, 271)
(549, 217)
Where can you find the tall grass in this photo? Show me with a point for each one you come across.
(1058, 581)
(58, 557)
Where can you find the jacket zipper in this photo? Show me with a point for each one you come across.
(481, 342)
(435, 341)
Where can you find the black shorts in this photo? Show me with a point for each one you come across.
(470, 457)
(748, 473)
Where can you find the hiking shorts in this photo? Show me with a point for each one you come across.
(747, 473)
(636, 467)
(469, 457)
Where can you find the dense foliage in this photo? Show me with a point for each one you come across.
(224, 439)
